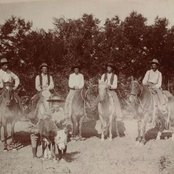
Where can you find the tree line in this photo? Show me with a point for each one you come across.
(130, 44)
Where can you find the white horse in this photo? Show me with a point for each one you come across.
(107, 111)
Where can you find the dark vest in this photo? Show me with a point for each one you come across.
(111, 80)
(40, 78)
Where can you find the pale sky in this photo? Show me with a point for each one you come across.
(41, 12)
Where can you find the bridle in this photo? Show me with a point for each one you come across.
(137, 95)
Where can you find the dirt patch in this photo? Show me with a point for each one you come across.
(92, 156)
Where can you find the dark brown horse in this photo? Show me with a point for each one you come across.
(10, 111)
(143, 102)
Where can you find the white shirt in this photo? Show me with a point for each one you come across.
(8, 76)
(154, 77)
(76, 80)
(108, 80)
(45, 85)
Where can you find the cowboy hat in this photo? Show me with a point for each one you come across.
(76, 66)
(3, 61)
(110, 65)
(43, 65)
(155, 61)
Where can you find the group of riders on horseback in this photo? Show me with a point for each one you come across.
(44, 84)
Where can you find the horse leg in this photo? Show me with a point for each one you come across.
(110, 127)
(80, 126)
(154, 115)
(74, 124)
(168, 118)
(13, 133)
(139, 122)
(53, 150)
(102, 134)
(34, 144)
(5, 137)
(103, 126)
(143, 129)
(49, 150)
(44, 145)
(117, 131)
(60, 152)
(0, 132)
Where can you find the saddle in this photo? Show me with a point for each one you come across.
(160, 99)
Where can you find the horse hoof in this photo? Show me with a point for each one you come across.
(5, 149)
(110, 139)
(81, 138)
(173, 137)
(137, 143)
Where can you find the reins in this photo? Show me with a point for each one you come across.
(138, 101)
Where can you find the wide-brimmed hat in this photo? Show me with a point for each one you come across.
(3, 61)
(43, 65)
(155, 61)
(76, 66)
(110, 65)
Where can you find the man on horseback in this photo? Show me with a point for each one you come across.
(111, 79)
(153, 79)
(8, 78)
(10, 103)
(76, 82)
(43, 84)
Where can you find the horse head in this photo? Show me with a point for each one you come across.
(7, 95)
(102, 89)
(135, 91)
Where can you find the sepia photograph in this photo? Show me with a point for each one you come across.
(86, 86)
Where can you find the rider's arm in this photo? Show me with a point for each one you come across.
(81, 85)
(145, 80)
(71, 81)
(16, 79)
(114, 85)
(159, 83)
(51, 86)
(102, 78)
(37, 84)
(1, 81)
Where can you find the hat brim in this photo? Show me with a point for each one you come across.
(110, 65)
(4, 63)
(73, 67)
(43, 66)
(155, 63)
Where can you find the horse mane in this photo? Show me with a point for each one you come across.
(78, 99)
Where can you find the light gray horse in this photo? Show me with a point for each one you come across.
(107, 111)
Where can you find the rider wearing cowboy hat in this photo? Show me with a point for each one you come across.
(44, 80)
(153, 79)
(43, 84)
(6, 76)
(111, 79)
(75, 82)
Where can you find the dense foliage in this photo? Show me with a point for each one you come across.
(129, 44)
